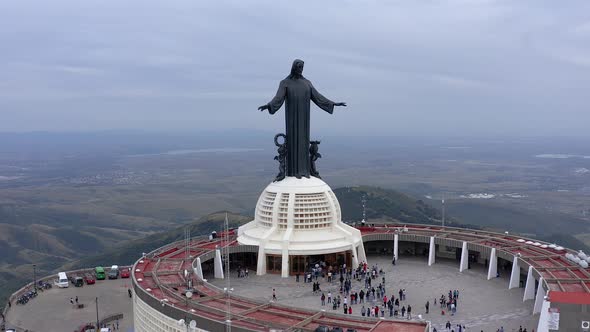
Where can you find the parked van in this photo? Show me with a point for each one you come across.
(114, 272)
(99, 271)
(62, 280)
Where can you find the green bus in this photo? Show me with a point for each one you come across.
(99, 271)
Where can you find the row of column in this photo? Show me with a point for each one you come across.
(529, 290)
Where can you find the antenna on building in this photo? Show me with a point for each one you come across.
(187, 252)
(364, 202)
(443, 210)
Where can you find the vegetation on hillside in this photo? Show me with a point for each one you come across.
(130, 251)
(381, 205)
(388, 205)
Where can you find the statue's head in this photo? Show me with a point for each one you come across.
(297, 69)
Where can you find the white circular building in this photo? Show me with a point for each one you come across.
(298, 221)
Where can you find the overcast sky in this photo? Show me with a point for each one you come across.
(404, 67)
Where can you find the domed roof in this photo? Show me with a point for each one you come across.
(298, 203)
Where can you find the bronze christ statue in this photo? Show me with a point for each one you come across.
(298, 91)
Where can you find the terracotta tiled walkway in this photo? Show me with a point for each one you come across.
(483, 305)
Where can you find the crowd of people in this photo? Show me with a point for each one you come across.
(366, 286)
(243, 272)
(450, 302)
(369, 290)
(461, 328)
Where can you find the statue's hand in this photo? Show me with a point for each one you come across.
(340, 104)
(263, 107)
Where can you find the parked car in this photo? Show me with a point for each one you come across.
(125, 273)
(86, 328)
(78, 281)
(114, 272)
(89, 278)
(99, 272)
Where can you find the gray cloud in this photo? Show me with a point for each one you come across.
(404, 67)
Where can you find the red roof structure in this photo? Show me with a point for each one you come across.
(161, 275)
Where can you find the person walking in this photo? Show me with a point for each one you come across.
(76, 299)
(274, 295)
(409, 311)
(329, 297)
(323, 298)
(427, 306)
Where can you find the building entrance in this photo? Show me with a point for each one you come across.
(273, 263)
(302, 264)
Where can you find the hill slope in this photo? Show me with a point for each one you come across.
(382, 205)
(122, 254)
(130, 251)
(387, 205)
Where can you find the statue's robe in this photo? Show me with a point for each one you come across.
(296, 93)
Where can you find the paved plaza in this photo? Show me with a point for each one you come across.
(482, 305)
(51, 310)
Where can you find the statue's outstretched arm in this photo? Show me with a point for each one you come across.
(323, 102)
(275, 104)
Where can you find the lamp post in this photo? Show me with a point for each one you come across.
(228, 311)
(97, 321)
(35, 277)
(192, 325)
(228, 288)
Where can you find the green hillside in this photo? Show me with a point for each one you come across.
(387, 205)
(121, 254)
(382, 205)
(130, 251)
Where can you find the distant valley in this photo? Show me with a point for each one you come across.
(66, 199)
